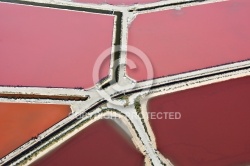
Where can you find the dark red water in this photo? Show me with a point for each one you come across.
(50, 47)
(99, 144)
(214, 125)
(192, 38)
(20, 122)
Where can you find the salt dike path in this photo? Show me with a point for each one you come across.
(106, 98)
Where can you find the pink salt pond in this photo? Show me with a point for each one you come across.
(48, 47)
(213, 128)
(99, 144)
(191, 38)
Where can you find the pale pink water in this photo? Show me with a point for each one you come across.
(51, 47)
(192, 38)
